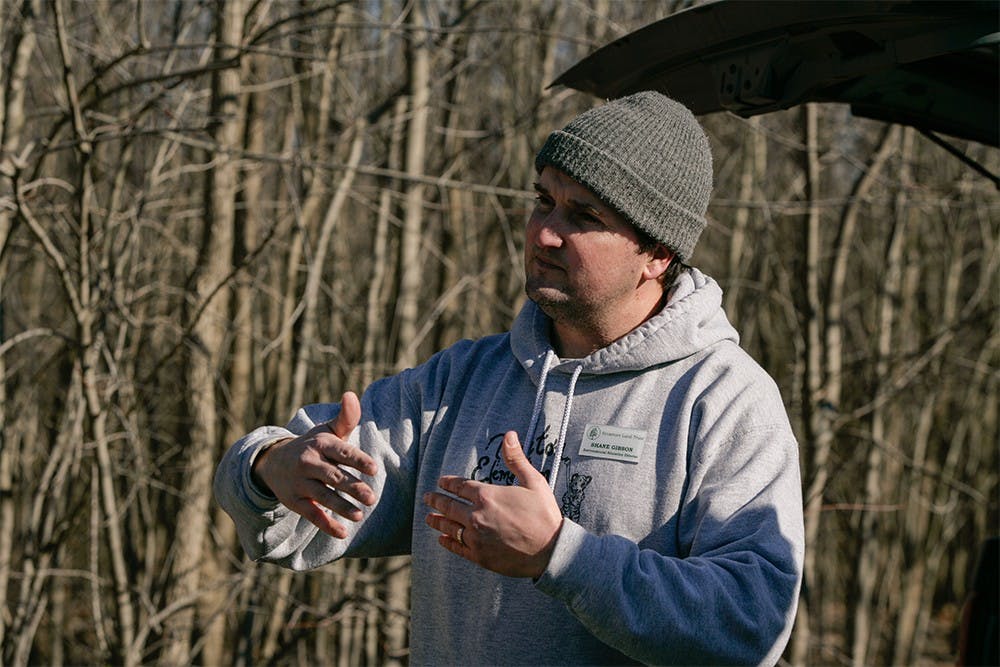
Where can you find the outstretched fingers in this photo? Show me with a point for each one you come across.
(319, 474)
(452, 517)
(454, 534)
(466, 489)
(321, 503)
(341, 453)
(311, 510)
(510, 530)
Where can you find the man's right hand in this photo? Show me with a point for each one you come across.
(308, 474)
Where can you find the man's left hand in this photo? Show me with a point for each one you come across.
(511, 530)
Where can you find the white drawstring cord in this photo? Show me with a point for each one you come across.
(561, 443)
(539, 397)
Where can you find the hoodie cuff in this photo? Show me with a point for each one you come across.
(568, 557)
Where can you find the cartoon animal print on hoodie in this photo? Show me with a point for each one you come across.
(573, 497)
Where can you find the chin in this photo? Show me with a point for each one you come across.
(554, 303)
(543, 294)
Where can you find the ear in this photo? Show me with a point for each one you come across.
(659, 259)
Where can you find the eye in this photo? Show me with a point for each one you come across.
(543, 201)
(585, 217)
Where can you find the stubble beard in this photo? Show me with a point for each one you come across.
(560, 305)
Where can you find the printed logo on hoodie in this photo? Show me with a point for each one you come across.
(491, 469)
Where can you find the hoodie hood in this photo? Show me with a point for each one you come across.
(691, 321)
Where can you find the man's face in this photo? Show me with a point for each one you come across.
(581, 257)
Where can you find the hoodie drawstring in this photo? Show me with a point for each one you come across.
(539, 397)
(561, 443)
(536, 412)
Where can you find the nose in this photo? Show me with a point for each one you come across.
(546, 229)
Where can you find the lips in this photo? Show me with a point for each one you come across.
(546, 263)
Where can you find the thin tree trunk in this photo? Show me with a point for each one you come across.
(276, 620)
(100, 624)
(410, 265)
(46, 516)
(871, 558)
(12, 118)
(375, 352)
(454, 259)
(552, 46)
(91, 343)
(317, 265)
(411, 271)
(289, 312)
(748, 175)
(915, 525)
(350, 639)
(919, 488)
(819, 435)
(827, 393)
(240, 385)
(320, 238)
(209, 335)
(7, 523)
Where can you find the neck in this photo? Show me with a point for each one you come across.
(575, 336)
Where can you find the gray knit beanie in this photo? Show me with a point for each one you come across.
(647, 157)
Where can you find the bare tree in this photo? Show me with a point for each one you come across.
(13, 82)
(208, 333)
(410, 264)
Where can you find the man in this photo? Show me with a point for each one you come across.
(614, 480)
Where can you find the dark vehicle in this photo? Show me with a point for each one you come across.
(932, 65)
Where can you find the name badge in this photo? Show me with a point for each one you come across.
(612, 442)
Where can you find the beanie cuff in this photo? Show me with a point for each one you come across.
(624, 190)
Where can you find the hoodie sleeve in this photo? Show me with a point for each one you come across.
(731, 598)
(389, 431)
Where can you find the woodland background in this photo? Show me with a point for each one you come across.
(213, 212)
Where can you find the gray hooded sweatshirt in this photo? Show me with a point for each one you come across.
(669, 451)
